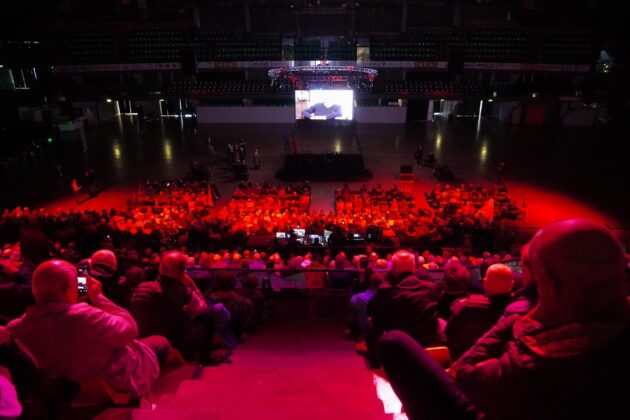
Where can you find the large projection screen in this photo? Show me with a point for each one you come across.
(324, 104)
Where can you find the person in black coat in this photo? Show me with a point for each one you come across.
(404, 303)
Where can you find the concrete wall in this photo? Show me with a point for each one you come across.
(245, 114)
(380, 114)
(503, 111)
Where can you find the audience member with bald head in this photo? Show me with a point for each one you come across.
(174, 307)
(55, 281)
(77, 341)
(472, 316)
(405, 303)
(566, 358)
(499, 280)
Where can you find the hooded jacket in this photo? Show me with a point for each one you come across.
(521, 369)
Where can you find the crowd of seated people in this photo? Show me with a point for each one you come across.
(190, 192)
(472, 203)
(117, 327)
(372, 201)
(392, 210)
(549, 344)
(255, 199)
(453, 308)
(264, 209)
(203, 304)
(185, 212)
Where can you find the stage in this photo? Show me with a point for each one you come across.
(323, 151)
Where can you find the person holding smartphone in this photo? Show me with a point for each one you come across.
(81, 341)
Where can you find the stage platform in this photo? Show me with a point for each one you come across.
(323, 151)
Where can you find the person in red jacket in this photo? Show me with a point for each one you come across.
(566, 358)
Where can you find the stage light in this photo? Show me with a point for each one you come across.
(484, 153)
(168, 150)
(50, 140)
(109, 101)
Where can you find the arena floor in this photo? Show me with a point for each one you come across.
(555, 173)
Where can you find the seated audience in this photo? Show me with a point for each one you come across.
(255, 295)
(15, 292)
(240, 308)
(343, 277)
(566, 358)
(474, 315)
(315, 279)
(24, 375)
(359, 304)
(173, 307)
(527, 297)
(103, 266)
(456, 278)
(404, 303)
(78, 342)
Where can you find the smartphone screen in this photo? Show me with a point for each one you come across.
(514, 264)
(82, 280)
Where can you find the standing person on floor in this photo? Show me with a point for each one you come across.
(256, 159)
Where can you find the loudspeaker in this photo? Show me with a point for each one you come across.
(406, 169)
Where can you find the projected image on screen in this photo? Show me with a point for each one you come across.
(324, 104)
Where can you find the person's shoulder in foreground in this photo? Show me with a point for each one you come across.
(569, 353)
